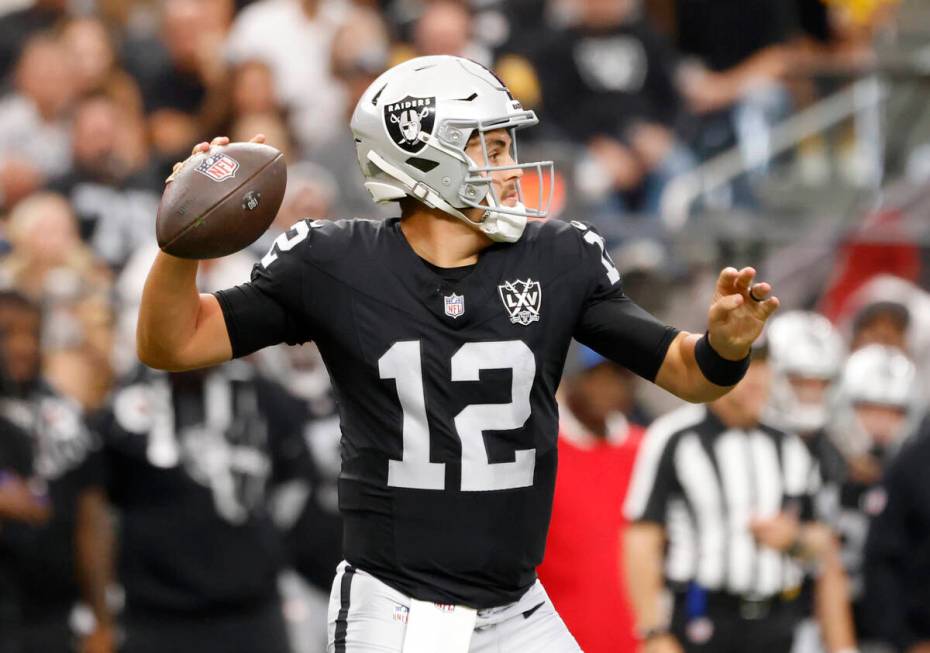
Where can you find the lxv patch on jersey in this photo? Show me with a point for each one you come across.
(522, 299)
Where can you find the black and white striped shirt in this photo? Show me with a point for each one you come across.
(704, 482)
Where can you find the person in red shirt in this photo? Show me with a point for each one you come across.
(597, 448)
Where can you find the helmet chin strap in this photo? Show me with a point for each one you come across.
(499, 227)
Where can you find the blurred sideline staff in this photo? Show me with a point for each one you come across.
(897, 555)
(190, 458)
(55, 536)
(733, 498)
(597, 447)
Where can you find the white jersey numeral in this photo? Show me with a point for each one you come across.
(285, 242)
(402, 362)
(593, 238)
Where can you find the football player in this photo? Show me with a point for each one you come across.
(445, 332)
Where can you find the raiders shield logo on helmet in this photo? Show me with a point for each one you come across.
(407, 119)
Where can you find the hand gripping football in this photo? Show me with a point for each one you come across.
(221, 200)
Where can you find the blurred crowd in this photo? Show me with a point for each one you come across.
(98, 99)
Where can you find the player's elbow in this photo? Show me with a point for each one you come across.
(152, 355)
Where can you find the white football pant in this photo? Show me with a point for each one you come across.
(367, 616)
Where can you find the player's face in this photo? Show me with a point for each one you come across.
(500, 153)
(882, 423)
(809, 391)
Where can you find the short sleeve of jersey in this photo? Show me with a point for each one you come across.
(269, 309)
(654, 480)
(611, 323)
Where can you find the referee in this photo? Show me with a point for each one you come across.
(723, 504)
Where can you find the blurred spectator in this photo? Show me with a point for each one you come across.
(444, 27)
(733, 499)
(359, 54)
(34, 131)
(882, 323)
(114, 197)
(311, 191)
(294, 37)
(272, 125)
(609, 83)
(44, 235)
(95, 66)
(53, 562)
(51, 266)
(183, 86)
(597, 447)
(190, 459)
(19, 25)
(897, 555)
(875, 411)
(253, 89)
(306, 509)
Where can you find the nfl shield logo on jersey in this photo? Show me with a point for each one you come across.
(218, 167)
(455, 305)
(522, 300)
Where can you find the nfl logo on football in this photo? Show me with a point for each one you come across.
(455, 305)
(218, 167)
(522, 299)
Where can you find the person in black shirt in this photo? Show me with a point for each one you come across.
(112, 200)
(897, 558)
(50, 563)
(445, 333)
(189, 459)
(610, 84)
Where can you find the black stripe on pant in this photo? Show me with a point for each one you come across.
(342, 623)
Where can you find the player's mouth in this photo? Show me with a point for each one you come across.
(510, 198)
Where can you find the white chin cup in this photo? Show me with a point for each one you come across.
(503, 227)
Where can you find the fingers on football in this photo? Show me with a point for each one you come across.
(258, 138)
(220, 140)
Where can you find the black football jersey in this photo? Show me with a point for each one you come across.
(446, 387)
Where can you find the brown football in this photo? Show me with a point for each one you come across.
(221, 201)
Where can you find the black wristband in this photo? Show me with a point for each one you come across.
(717, 369)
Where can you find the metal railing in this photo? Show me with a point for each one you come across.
(860, 101)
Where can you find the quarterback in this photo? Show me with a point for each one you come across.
(445, 332)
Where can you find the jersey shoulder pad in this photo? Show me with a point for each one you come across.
(554, 238)
(322, 241)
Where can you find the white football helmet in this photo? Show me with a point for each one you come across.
(876, 375)
(802, 345)
(412, 125)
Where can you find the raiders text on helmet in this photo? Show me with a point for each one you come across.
(411, 128)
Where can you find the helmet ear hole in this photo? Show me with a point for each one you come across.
(421, 164)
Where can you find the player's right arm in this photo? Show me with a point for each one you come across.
(179, 328)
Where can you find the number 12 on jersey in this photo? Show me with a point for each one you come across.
(403, 363)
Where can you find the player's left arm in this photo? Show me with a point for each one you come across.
(703, 368)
